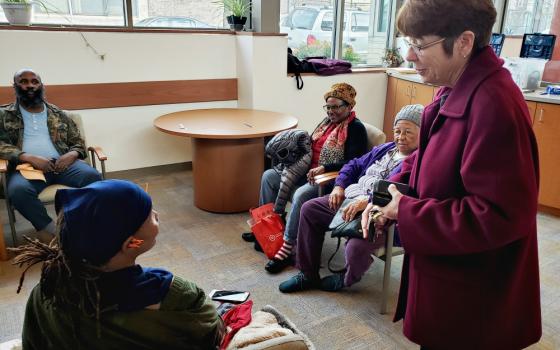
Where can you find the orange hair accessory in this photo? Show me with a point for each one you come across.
(135, 243)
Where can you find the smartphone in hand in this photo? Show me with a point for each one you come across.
(229, 296)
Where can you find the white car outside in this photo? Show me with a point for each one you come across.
(305, 25)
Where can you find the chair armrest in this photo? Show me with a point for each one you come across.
(98, 152)
(325, 178)
(3, 165)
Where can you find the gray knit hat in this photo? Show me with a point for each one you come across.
(411, 113)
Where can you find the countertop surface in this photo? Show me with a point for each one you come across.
(529, 96)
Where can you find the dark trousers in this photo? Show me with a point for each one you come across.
(24, 194)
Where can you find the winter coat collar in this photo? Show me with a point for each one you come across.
(482, 65)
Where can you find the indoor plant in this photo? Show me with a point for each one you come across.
(20, 12)
(392, 58)
(238, 10)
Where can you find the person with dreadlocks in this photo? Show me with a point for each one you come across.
(39, 133)
(93, 295)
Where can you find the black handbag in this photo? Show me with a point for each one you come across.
(350, 229)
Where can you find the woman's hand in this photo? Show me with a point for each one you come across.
(388, 213)
(391, 210)
(336, 197)
(314, 172)
(353, 208)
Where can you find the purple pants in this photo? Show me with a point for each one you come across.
(314, 221)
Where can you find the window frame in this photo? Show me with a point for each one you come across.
(128, 24)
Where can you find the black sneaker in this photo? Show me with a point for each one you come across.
(277, 265)
(248, 237)
(333, 283)
(298, 283)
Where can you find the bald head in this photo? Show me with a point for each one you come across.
(20, 72)
(29, 88)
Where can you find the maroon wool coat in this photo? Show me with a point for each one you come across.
(470, 276)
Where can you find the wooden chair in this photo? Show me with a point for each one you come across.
(47, 195)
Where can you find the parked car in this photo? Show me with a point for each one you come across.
(173, 22)
(306, 25)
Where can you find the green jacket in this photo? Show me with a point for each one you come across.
(64, 132)
(186, 320)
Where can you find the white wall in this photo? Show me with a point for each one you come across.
(127, 134)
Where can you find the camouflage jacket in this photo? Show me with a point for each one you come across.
(63, 131)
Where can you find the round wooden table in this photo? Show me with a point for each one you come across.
(228, 152)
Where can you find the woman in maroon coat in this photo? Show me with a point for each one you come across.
(470, 276)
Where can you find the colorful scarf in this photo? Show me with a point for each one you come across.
(333, 148)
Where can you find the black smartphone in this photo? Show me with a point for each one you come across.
(229, 296)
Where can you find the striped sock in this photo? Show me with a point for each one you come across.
(284, 251)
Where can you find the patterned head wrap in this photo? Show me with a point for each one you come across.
(344, 92)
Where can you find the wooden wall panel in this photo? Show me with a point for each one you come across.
(110, 95)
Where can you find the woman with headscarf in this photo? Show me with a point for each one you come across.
(353, 185)
(93, 295)
(339, 138)
(470, 274)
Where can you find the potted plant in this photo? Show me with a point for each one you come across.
(238, 10)
(20, 12)
(392, 58)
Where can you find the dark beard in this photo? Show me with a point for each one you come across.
(27, 99)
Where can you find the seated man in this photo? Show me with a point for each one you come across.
(355, 181)
(93, 295)
(36, 132)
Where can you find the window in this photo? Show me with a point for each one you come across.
(310, 29)
(382, 15)
(360, 22)
(199, 14)
(81, 12)
(528, 16)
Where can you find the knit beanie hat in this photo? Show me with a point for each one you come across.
(411, 113)
(342, 91)
(98, 218)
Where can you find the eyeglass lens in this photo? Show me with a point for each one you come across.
(333, 107)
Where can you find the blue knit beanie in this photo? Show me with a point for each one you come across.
(98, 218)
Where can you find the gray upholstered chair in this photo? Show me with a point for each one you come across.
(47, 195)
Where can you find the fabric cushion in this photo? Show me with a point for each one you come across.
(47, 195)
(374, 135)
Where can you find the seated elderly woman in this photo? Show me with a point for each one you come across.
(339, 138)
(354, 182)
(92, 293)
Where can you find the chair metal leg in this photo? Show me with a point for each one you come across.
(12, 220)
(387, 270)
(10, 209)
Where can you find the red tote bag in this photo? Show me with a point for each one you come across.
(268, 228)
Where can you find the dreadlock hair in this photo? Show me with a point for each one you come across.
(64, 281)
